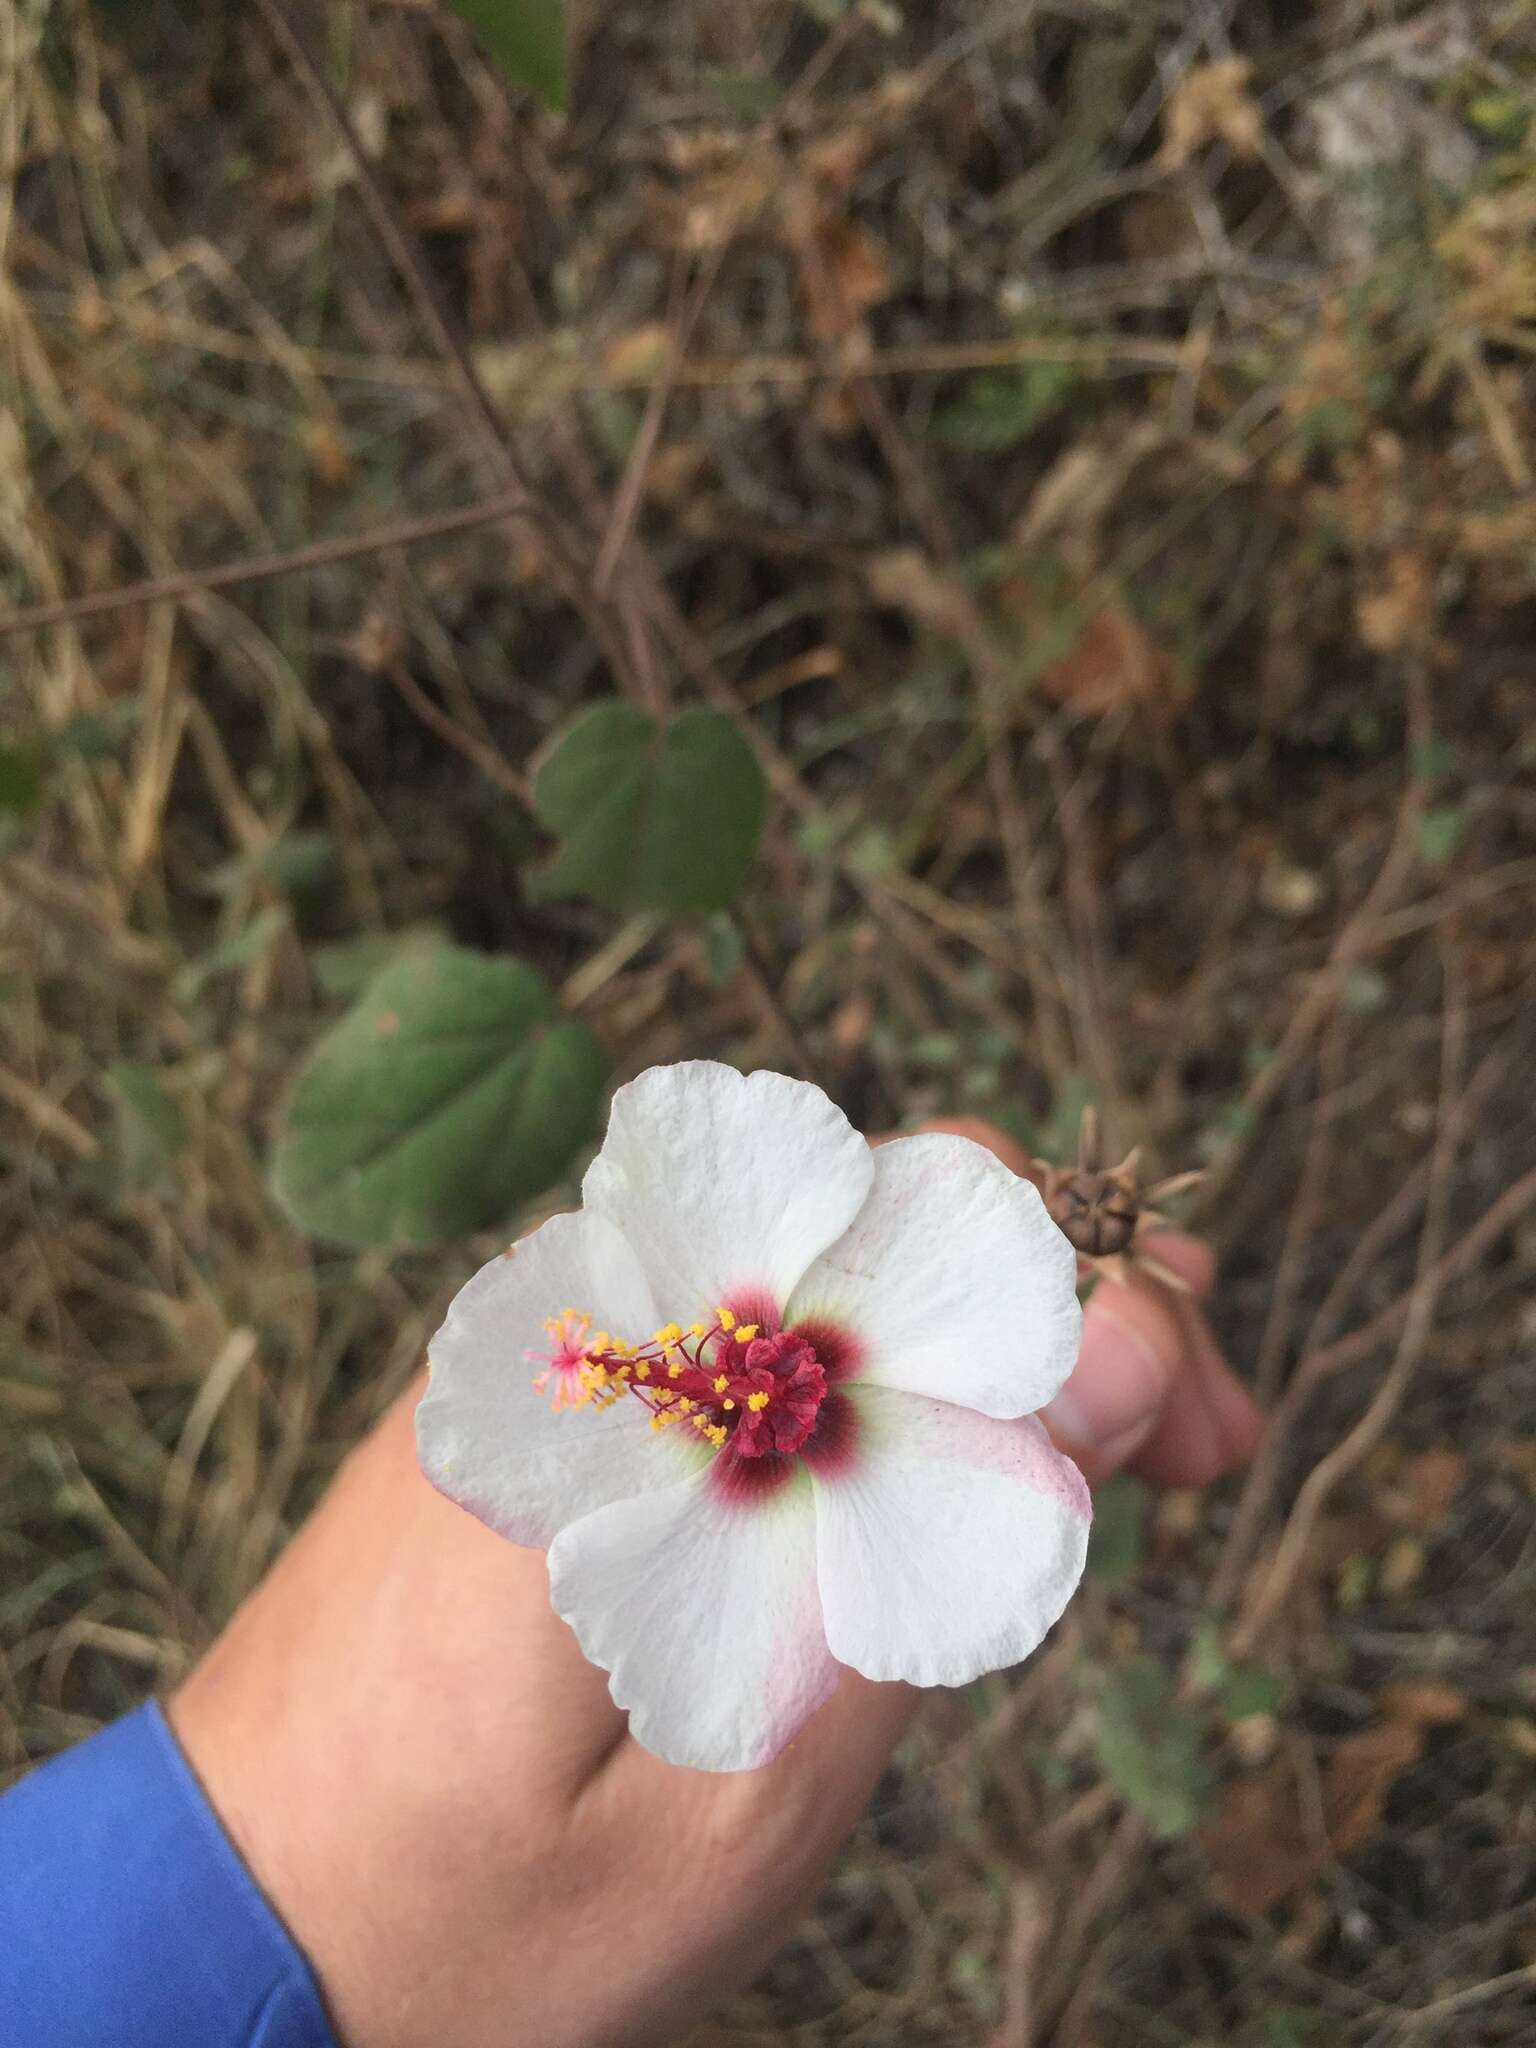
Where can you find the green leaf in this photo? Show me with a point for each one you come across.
(1253, 1689)
(344, 967)
(452, 1091)
(725, 948)
(22, 766)
(650, 817)
(238, 950)
(996, 411)
(527, 39)
(1118, 1539)
(1239, 1690)
(746, 93)
(1441, 830)
(148, 1130)
(297, 862)
(1149, 1748)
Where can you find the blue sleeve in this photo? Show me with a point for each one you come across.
(127, 1920)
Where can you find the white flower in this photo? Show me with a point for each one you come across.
(785, 1417)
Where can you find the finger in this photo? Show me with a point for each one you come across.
(1210, 1423)
(1149, 1370)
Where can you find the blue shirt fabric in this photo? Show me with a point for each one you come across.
(127, 1920)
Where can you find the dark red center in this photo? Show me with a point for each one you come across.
(786, 1369)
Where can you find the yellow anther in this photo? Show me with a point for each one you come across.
(668, 1334)
(746, 1332)
(721, 1383)
(757, 1403)
(727, 1320)
(674, 1370)
(643, 1369)
(657, 1421)
(716, 1435)
(600, 1342)
(696, 1329)
(685, 1406)
(727, 1404)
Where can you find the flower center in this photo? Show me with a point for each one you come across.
(761, 1394)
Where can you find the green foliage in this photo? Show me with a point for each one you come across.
(449, 1093)
(22, 766)
(230, 954)
(29, 761)
(1149, 1747)
(1240, 1690)
(1118, 1539)
(295, 862)
(527, 39)
(650, 817)
(1441, 831)
(999, 409)
(725, 948)
(1287, 2026)
(747, 93)
(147, 1127)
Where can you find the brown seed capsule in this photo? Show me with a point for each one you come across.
(1100, 1210)
(1097, 1212)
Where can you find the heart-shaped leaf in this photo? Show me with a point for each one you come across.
(449, 1093)
(527, 39)
(650, 817)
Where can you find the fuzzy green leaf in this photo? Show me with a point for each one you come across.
(999, 409)
(650, 817)
(527, 39)
(148, 1130)
(1150, 1749)
(1117, 1541)
(449, 1093)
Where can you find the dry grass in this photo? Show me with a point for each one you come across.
(1175, 751)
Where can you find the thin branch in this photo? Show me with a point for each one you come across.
(1321, 1357)
(1418, 1322)
(566, 559)
(315, 554)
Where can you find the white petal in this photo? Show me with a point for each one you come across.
(952, 1281)
(948, 1542)
(705, 1612)
(726, 1184)
(488, 1441)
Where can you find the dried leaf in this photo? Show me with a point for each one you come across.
(1212, 103)
(1261, 1848)
(1423, 1702)
(1400, 611)
(1426, 1486)
(843, 272)
(1115, 663)
(1361, 1774)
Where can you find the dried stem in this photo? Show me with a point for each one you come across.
(316, 554)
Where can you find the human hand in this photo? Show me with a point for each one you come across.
(435, 1790)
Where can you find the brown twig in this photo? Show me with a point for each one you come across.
(1353, 941)
(566, 559)
(1321, 1357)
(632, 484)
(480, 752)
(1418, 1320)
(315, 554)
